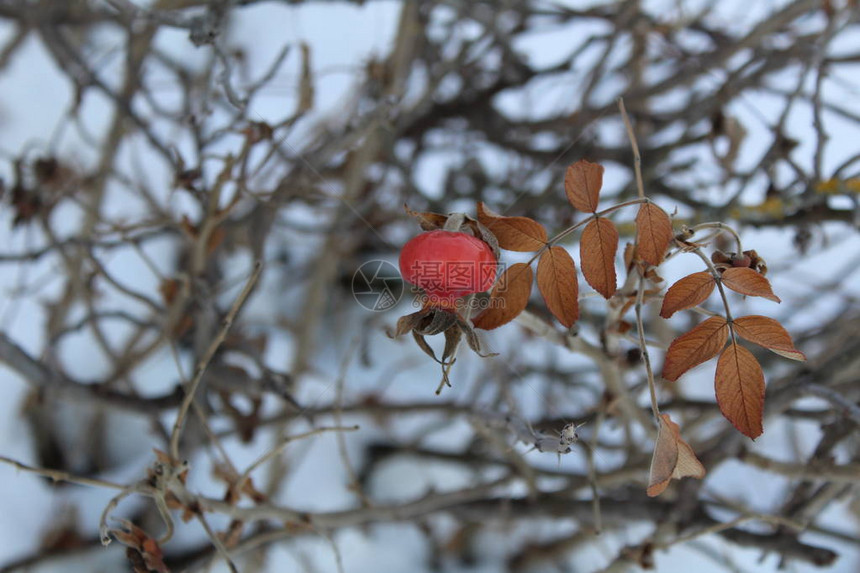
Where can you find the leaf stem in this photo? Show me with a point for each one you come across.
(721, 227)
(643, 347)
(587, 220)
(207, 357)
(637, 158)
(718, 280)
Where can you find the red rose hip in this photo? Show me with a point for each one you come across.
(448, 265)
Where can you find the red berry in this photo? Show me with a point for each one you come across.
(448, 265)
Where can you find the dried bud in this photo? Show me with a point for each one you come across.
(741, 261)
(756, 262)
(721, 258)
(629, 255)
(46, 169)
(258, 131)
(685, 235)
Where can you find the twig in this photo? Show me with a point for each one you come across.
(643, 347)
(207, 357)
(637, 158)
(57, 475)
(284, 443)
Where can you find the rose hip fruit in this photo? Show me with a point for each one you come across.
(448, 265)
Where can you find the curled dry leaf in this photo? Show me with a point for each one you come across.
(673, 458)
(513, 233)
(436, 322)
(508, 298)
(409, 322)
(749, 282)
(480, 231)
(145, 549)
(427, 220)
(424, 345)
(702, 343)
(653, 233)
(582, 183)
(768, 333)
(557, 283)
(739, 386)
(471, 338)
(452, 341)
(690, 291)
(629, 256)
(597, 249)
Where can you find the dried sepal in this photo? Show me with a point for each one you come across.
(480, 231)
(427, 220)
(422, 344)
(409, 322)
(452, 341)
(748, 259)
(471, 338)
(430, 321)
(436, 323)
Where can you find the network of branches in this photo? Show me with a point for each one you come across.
(179, 254)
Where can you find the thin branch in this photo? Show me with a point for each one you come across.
(207, 357)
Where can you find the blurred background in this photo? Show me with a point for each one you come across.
(190, 183)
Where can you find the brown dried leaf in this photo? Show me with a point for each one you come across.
(480, 231)
(435, 322)
(423, 345)
(428, 221)
(653, 233)
(513, 233)
(739, 386)
(216, 237)
(629, 256)
(147, 548)
(768, 333)
(231, 537)
(673, 458)
(508, 298)
(688, 292)
(557, 282)
(749, 282)
(409, 322)
(702, 343)
(452, 341)
(169, 288)
(582, 183)
(597, 249)
(188, 227)
(471, 338)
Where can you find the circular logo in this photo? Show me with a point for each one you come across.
(377, 285)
